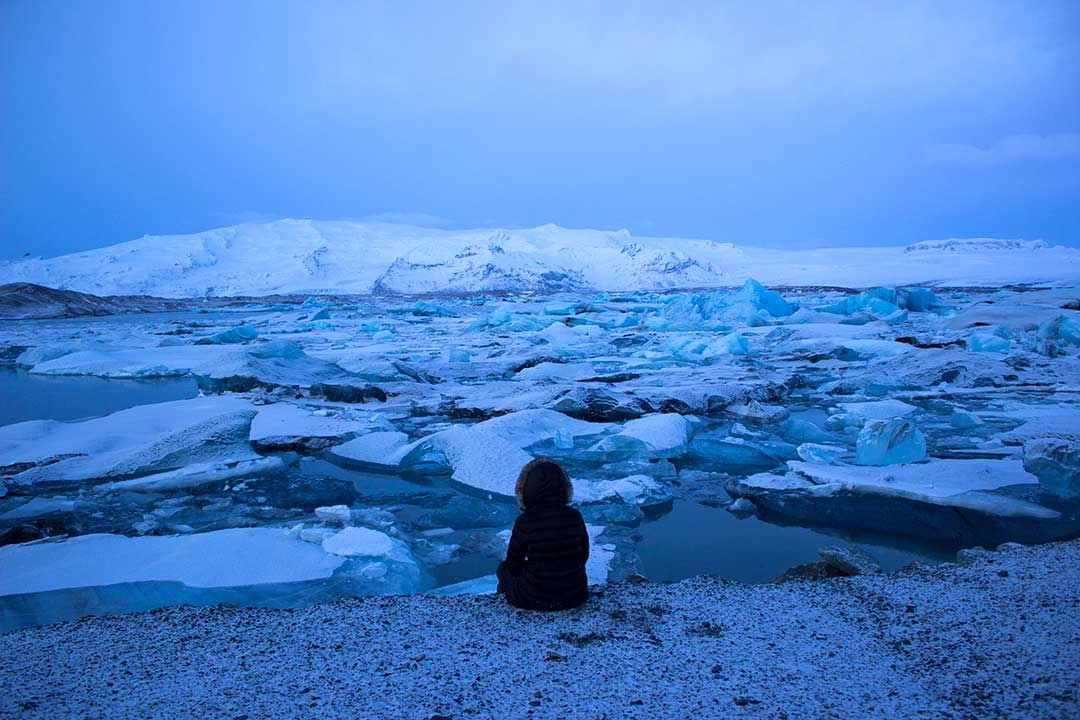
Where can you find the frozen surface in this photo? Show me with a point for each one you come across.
(225, 558)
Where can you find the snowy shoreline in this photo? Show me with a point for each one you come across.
(998, 636)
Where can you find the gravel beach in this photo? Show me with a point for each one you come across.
(995, 637)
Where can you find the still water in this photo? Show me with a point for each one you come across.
(40, 397)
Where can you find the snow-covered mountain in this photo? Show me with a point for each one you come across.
(311, 257)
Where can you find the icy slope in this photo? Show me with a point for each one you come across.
(307, 256)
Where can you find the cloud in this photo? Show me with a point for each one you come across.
(648, 57)
(1012, 149)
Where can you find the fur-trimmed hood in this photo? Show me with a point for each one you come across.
(543, 482)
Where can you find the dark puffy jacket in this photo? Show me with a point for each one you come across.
(545, 562)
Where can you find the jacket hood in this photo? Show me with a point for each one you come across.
(543, 482)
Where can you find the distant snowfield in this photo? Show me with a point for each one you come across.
(313, 257)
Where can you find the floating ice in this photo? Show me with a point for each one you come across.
(988, 342)
(287, 426)
(489, 455)
(359, 541)
(889, 442)
(223, 558)
(742, 508)
(654, 436)
(334, 514)
(963, 420)
(639, 490)
(821, 454)
(380, 451)
(751, 305)
(733, 455)
(139, 441)
(1056, 462)
(238, 334)
(956, 483)
(197, 474)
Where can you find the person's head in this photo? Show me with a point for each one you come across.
(543, 482)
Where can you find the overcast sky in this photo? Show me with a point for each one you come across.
(763, 123)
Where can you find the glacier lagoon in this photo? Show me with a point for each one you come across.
(407, 418)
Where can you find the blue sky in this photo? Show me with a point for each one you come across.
(765, 123)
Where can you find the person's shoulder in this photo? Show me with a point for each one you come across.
(573, 512)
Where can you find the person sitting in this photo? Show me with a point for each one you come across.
(544, 567)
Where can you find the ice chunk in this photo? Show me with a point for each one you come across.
(733, 455)
(919, 299)
(380, 451)
(877, 410)
(280, 363)
(742, 508)
(751, 305)
(887, 303)
(287, 426)
(488, 456)
(459, 355)
(696, 346)
(359, 541)
(197, 474)
(485, 585)
(657, 436)
(821, 454)
(963, 420)
(634, 490)
(424, 458)
(889, 442)
(988, 342)
(223, 558)
(142, 363)
(232, 336)
(800, 431)
(757, 412)
(957, 483)
(38, 506)
(1056, 462)
(334, 514)
(139, 441)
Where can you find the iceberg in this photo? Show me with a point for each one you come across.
(1056, 462)
(657, 436)
(889, 442)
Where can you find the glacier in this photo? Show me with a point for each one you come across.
(292, 256)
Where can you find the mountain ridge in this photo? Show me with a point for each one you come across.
(306, 256)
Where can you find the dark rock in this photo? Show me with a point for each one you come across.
(850, 560)
(809, 571)
(348, 393)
